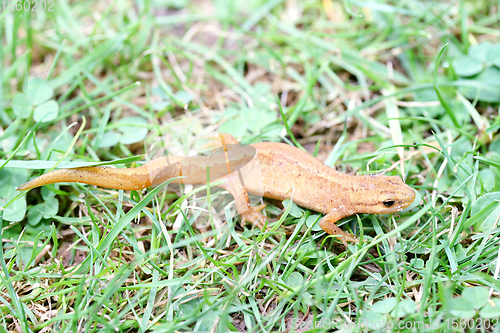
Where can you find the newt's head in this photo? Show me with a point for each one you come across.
(381, 194)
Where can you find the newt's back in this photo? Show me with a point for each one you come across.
(280, 170)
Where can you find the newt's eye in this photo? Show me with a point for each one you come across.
(389, 203)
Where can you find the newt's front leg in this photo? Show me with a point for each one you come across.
(327, 223)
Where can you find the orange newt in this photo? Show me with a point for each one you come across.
(273, 170)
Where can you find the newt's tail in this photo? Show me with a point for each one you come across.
(192, 170)
(120, 179)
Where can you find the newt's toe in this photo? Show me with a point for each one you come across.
(253, 215)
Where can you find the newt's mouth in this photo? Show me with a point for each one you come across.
(407, 199)
(400, 198)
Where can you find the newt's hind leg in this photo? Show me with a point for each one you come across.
(235, 186)
(224, 140)
(227, 139)
(239, 156)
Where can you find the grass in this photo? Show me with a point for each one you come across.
(365, 86)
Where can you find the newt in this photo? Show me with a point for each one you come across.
(273, 170)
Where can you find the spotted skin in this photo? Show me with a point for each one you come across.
(272, 170)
